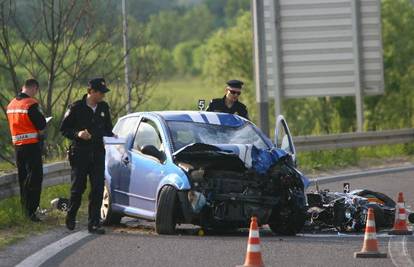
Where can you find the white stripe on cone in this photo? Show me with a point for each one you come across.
(254, 233)
(402, 217)
(253, 248)
(370, 223)
(370, 236)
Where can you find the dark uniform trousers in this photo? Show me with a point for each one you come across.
(87, 160)
(30, 174)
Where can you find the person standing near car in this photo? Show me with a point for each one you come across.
(86, 122)
(230, 102)
(26, 123)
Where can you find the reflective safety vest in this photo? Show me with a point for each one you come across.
(22, 128)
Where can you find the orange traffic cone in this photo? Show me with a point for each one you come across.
(370, 247)
(253, 254)
(400, 223)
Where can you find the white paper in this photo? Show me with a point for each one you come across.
(114, 140)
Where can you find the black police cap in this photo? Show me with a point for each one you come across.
(235, 84)
(98, 84)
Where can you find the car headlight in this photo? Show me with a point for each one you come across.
(197, 200)
(348, 214)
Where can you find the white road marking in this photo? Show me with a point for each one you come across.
(397, 249)
(48, 252)
(340, 235)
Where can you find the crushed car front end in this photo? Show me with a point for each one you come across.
(225, 194)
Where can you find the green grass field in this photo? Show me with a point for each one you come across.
(181, 95)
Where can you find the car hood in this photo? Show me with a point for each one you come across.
(244, 155)
(236, 157)
(226, 154)
(239, 154)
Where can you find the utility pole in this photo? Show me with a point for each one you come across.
(126, 55)
(262, 98)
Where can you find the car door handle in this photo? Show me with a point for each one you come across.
(125, 160)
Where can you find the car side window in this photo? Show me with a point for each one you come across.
(126, 126)
(148, 134)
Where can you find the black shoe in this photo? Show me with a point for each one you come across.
(70, 223)
(34, 218)
(96, 230)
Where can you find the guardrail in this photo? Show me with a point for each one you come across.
(53, 174)
(347, 140)
(59, 172)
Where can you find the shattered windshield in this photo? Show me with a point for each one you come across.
(185, 133)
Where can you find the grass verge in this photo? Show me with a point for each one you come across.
(6, 167)
(313, 162)
(14, 226)
(181, 94)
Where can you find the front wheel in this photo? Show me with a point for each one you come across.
(289, 218)
(165, 219)
(108, 216)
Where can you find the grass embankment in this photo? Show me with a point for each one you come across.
(6, 167)
(14, 226)
(364, 157)
(181, 94)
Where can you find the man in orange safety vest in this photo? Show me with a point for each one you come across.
(26, 123)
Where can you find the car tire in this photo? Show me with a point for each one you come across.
(287, 220)
(165, 219)
(108, 216)
(411, 217)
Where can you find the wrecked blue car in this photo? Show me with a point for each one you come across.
(210, 169)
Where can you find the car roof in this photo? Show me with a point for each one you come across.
(206, 117)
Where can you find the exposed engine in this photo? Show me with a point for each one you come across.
(226, 193)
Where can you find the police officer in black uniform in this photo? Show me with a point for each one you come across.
(86, 122)
(230, 102)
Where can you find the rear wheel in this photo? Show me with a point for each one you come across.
(165, 219)
(108, 216)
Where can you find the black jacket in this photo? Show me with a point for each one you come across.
(218, 105)
(80, 116)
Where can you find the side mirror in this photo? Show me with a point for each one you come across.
(153, 151)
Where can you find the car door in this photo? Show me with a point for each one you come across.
(147, 171)
(283, 138)
(118, 160)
